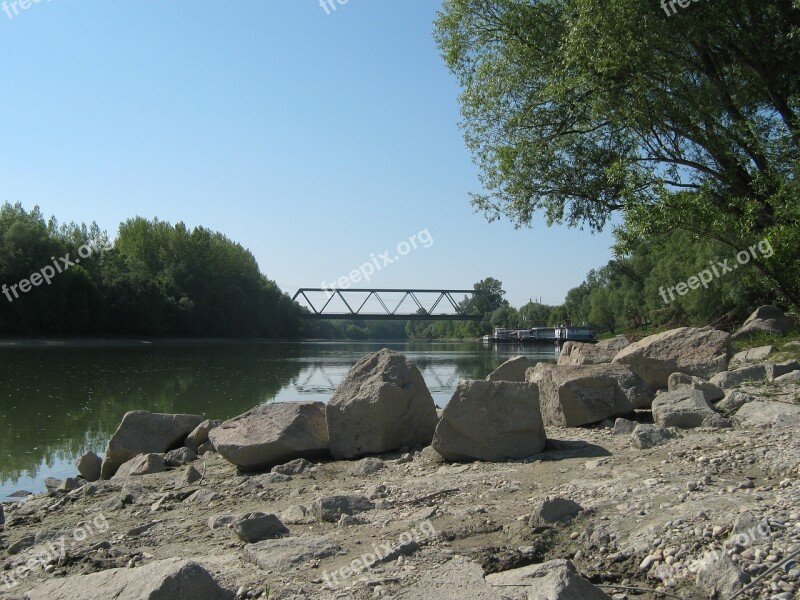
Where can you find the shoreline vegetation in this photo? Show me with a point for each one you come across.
(159, 281)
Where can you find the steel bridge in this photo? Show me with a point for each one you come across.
(385, 310)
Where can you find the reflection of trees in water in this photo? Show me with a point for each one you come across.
(56, 404)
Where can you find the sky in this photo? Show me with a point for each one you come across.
(320, 140)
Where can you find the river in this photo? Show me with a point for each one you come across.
(59, 400)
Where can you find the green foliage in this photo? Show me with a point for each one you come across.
(157, 279)
(577, 109)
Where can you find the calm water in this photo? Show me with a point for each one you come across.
(58, 401)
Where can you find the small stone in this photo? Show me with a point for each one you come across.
(257, 526)
(366, 466)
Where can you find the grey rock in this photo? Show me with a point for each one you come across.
(71, 484)
(206, 446)
(512, 370)
(581, 353)
(297, 514)
(793, 377)
(430, 457)
(769, 319)
(777, 370)
(52, 483)
(272, 434)
(769, 414)
(718, 575)
(161, 580)
(751, 355)
(492, 421)
(572, 396)
(456, 579)
(331, 508)
(203, 496)
(734, 400)
(180, 457)
(192, 476)
(367, 466)
(199, 434)
(689, 350)
(293, 467)
(685, 408)
(258, 526)
(143, 464)
(142, 432)
(748, 531)
(553, 510)
(646, 436)
(730, 379)
(382, 405)
(24, 543)
(712, 393)
(624, 426)
(89, 466)
(553, 580)
(284, 554)
(221, 521)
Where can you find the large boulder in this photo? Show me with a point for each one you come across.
(511, 370)
(685, 408)
(142, 432)
(577, 395)
(553, 580)
(582, 353)
(272, 434)
(702, 352)
(766, 319)
(382, 405)
(161, 580)
(488, 420)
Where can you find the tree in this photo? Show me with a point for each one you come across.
(689, 121)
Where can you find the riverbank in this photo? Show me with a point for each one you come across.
(629, 504)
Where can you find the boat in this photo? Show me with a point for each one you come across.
(562, 333)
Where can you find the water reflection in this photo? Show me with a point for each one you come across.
(59, 402)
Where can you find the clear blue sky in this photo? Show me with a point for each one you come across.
(315, 140)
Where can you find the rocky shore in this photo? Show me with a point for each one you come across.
(668, 463)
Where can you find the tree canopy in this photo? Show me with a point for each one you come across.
(578, 109)
(155, 279)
